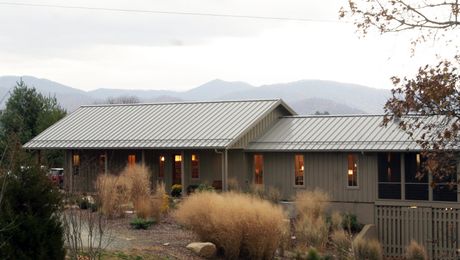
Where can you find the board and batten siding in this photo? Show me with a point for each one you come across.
(261, 127)
(326, 171)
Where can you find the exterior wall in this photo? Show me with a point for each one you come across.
(261, 127)
(210, 165)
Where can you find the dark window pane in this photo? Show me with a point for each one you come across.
(445, 192)
(389, 167)
(389, 191)
(417, 191)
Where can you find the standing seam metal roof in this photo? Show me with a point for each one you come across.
(163, 125)
(336, 133)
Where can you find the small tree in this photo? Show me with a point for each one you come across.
(31, 212)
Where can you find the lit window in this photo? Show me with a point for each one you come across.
(76, 160)
(76, 164)
(258, 169)
(299, 170)
(161, 170)
(352, 174)
(177, 158)
(195, 167)
(131, 160)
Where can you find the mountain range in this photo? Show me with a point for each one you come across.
(305, 96)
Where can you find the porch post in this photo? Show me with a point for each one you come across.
(182, 174)
(225, 177)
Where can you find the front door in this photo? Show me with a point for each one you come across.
(177, 169)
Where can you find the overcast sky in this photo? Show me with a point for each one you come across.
(93, 49)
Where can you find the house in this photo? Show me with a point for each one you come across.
(368, 169)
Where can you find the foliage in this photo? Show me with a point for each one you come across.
(122, 100)
(313, 254)
(233, 184)
(86, 202)
(367, 249)
(176, 190)
(342, 243)
(415, 251)
(434, 90)
(26, 114)
(141, 223)
(204, 188)
(30, 212)
(350, 223)
(239, 225)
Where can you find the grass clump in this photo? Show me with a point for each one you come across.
(113, 194)
(239, 225)
(141, 223)
(415, 251)
(311, 227)
(367, 249)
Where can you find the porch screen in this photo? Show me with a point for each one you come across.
(416, 181)
(389, 176)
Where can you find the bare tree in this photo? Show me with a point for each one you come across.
(122, 100)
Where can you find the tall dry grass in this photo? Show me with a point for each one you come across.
(311, 228)
(367, 249)
(240, 225)
(131, 186)
(113, 195)
(415, 251)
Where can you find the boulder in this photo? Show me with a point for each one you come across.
(203, 249)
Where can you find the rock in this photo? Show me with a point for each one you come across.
(166, 244)
(203, 249)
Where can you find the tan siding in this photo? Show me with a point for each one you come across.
(261, 127)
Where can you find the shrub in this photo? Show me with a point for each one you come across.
(273, 194)
(367, 249)
(350, 223)
(176, 190)
(313, 254)
(138, 179)
(30, 222)
(311, 203)
(204, 188)
(113, 193)
(238, 224)
(160, 192)
(415, 251)
(141, 223)
(342, 243)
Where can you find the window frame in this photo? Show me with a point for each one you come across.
(389, 170)
(296, 170)
(195, 167)
(355, 160)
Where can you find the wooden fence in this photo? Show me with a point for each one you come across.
(438, 229)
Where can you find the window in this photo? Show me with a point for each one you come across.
(258, 169)
(161, 167)
(352, 173)
(417, 187)
(131, 160)
(76, 163)
(299, 170)
(102, 160)
(195, 166)
(389, 170)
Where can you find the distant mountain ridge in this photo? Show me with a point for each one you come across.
(305, 96)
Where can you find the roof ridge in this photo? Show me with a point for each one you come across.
(344, 115)
(183, 102)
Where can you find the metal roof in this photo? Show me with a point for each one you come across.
(335, 133)
(162, 125)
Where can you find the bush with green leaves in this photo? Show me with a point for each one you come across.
(350, 223)
(30, 221)
(176, 190)
(141, 223)
(204, 187)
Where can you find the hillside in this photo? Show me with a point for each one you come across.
(305, 96)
